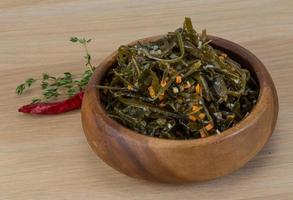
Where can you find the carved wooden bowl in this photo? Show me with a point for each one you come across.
(172, 161)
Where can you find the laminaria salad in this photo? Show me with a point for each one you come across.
(178, 87)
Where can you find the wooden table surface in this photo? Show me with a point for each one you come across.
(47, 157)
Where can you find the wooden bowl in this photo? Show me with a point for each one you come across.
(174, 161)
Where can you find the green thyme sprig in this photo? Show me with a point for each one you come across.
(67, 84)
(84, 42)
(27, 84)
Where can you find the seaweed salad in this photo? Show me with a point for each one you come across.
(178, 87)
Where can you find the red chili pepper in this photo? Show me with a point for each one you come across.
(54, 108)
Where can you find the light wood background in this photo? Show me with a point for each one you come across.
(47, 157)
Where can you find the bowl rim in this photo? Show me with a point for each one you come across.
(263, 78)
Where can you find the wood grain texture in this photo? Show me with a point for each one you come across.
(49, 158)
(179, 161)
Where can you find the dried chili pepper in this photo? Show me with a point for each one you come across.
(67, 85)
(55, 107)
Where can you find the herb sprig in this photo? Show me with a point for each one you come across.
(66, 85)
